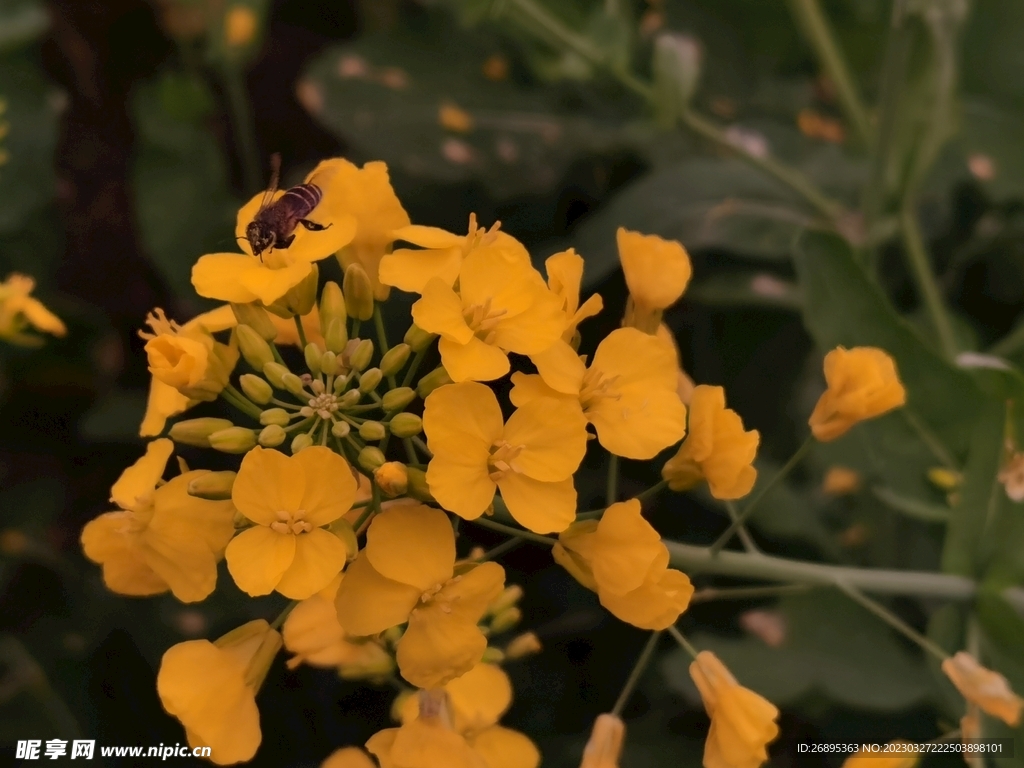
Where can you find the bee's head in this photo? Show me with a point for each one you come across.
(260, 237)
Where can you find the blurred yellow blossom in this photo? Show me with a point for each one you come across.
(429, 741)
(476, 699)
(239, 26)
(716, 449)
(20, 312)
(406, 572)
(862, 384)
(604, 747)
(742, 722)
(989, 690)
(657, 272)
(622, 558)
(530, 459)
(452, 117)
(348, 757)
(840, 481)
(211, 688)
(565, 276)
(862, 759)
(161, 538)
(289, 498)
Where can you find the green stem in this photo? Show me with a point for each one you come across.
(276, 353)
(414, 366)
(938, 450)
(683, 642)
(748, 510)
(372, 508)
(422, 446)
(927, 287)
(378, 322)
(276, 623)
(816, 29)
(356, 325)
(611, 488)
(892, 619)
(410, 451)
(711, 594)
(236, 399)
(302, 332)
(517, 532)
(651, 492)
(745, 537)
(501, 549)
(243, 127)
(634, 677)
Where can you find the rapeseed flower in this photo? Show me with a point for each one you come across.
(406, 573)
(981, 686)
(862, 384)
(289, 498)
(20, 312)
(622, 558)
(348, 757)
(188, 358)
(565, 277)
(530, 459)
(657, 272)
(429, 741)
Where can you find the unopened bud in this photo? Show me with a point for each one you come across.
(275, 373)
(213, 486)
(358, 292)
(340, 429)
(945, 479)
(492, 656)
(313, 354)
(342, 528)
(374, 664)
(417, 338)
(272, 436)
(350, 398)
(197, 431)
(256, 317)
(256, 388)
(418, 488)
(392, 477)
(370, 458)
(332, 306)
(406, 425)
(372, 431)
(524, 645)
(253, 347)
(329, 363)
(509, 597)
(676, 68)
(293, 384)
(504, 621)
(370, 380)
(341, 382)
(397, 399)
(336, 336)
(278, 416)
(233, 440)
(300, 442)
(361, 355)
(436, 378)
(395, 359)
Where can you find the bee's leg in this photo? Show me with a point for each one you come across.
(285, 242)
(312, 226)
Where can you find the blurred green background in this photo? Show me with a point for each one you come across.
(130, 149)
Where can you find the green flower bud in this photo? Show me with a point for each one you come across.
(340, 429)
(418, 488)
(417, 338)
(332, 306)
(370, 458)
(253, 347)
(436, 378)
(509, 597)
(329, 363)
(361, 355)
(233, 440)
(213, 486)
(492, 655)
(256, 388)
(676, 67)
(275, 374)
(406, 424)
(197, 431)
(358, 292)
(336, 336)
(342, 528)
(300, 299)
(392, 478)
(372, 431)
(255, 317)
(395, 359)
(272, 436)
(505, 620)
(313, 355)
(523, 645)
(300, 442)
(294, 385)
(278, 416)
(370, 380)
(397, 399)
(340, 384)
(350, 398)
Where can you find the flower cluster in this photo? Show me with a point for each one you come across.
(358, 466)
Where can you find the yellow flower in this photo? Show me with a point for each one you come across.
(454, 118)
(348, 757)
(442, 254)
(565, 276)
(981, 686)
(684, 384)
(165, 400)
(366, 194)
(188, 358)
(628, 393)
(242, 278)
(289, 498)
(717, 449)
(840, 481)
(407, 572)
(622, 558)
(862, 384)
(161, 538)
(882, 760)
(500, 307)
(240, 25)
(530, 459)
(287, 333)
(742, 722)
(19, 312)
(605, 745)
(429, 741)
(211, 688)
(657, 272)
(312, 632)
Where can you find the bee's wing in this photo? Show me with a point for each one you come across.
(275, 175)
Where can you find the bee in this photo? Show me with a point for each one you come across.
(274, 224)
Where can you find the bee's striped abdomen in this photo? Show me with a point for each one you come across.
(302, 199)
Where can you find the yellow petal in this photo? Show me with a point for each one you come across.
(565, 276)
(41, 318)
(268, 482)
(505, 748)
(410, 270)
(319, 557)
(162, 403)
(412, 544)
(423, 744)
(369, 603)
(469, 595)
(473, 361)
(457, 416)
(438, 647)
(217, 276)
(439, 310)
(460, 484)
(527, 387)
(267, 284)
(140, 479)
(561, 368)
(479, 698)
(214, 321)
(330, 487)
(258, 557)
(187, 565)
(657, 271)
(654, 605)
(348, 757)
(554, 439)
(125, 569)
(538, 506)
(428, 237)
(176, 512)
(628, 546)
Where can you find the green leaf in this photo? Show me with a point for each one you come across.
(832, 647)
(114, 418)
(911, 507)
(758, 289)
